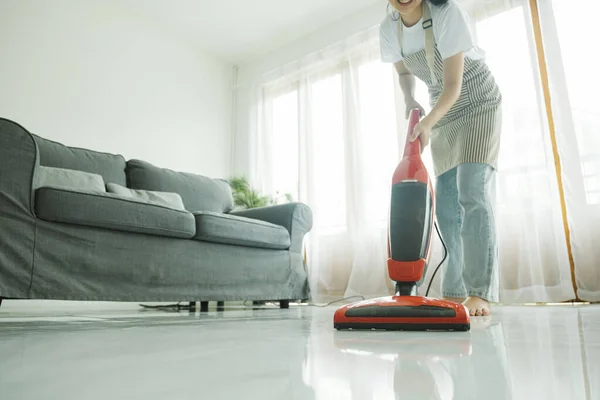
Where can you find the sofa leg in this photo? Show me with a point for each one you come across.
(204, 306)
(284, 304)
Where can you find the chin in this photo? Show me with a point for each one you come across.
(405, 6)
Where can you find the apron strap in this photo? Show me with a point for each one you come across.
(400, 35)
(429, 40)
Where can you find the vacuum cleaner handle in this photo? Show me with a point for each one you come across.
(413, 148)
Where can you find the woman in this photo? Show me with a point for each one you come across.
(431, 40)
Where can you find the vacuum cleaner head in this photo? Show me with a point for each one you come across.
(403, 313)
(411, 224)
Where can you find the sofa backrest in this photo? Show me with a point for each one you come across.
(199, 193)
(111, 167)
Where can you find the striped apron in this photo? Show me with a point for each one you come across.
(470, 131)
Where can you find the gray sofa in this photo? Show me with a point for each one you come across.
(66, 242)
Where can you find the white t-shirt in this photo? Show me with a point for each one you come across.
(450, 29)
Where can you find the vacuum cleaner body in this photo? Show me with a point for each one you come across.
(410, 231)
(411, 215)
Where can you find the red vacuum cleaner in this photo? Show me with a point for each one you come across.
(410, 230)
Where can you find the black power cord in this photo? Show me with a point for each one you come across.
(177, 307)
(441, 262)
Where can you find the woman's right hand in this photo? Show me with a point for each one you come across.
(412, 104)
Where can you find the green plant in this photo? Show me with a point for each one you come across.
(245, 196)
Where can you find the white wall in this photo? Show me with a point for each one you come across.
(249, 74)
(95, 74)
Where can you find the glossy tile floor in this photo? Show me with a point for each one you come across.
(519, 353)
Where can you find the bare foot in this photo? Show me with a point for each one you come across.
(455, 299)
(477, 306)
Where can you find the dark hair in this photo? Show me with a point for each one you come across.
(438, 2)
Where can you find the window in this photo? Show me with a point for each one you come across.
(525, 140)
(364, 174)
(285, 144)
(379, 138)
(329, 154)
(572, 23)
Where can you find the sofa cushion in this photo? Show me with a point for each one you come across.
(53, 154)
(199, 193)
(108, 211)
(228, 229)
(62, 178)
(172, 200)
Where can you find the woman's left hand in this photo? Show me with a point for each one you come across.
(422, 130)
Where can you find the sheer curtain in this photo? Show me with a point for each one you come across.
(574, 93)
(534, 263)
(330, 128)
(329, 137)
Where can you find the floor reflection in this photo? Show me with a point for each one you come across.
(522, 353)
(417, 361)
(252, 353)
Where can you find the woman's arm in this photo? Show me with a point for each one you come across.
(407, 80)
(453, 77)
(407, 84)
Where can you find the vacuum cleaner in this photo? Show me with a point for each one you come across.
(410, 228)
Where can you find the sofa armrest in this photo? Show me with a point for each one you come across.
(297, 218)
(18, 161)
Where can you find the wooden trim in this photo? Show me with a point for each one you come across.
(541, 54)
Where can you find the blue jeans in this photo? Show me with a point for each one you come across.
(465, 199)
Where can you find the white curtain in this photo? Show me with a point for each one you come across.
(330, 128)
(570, 42)
(329, 137)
